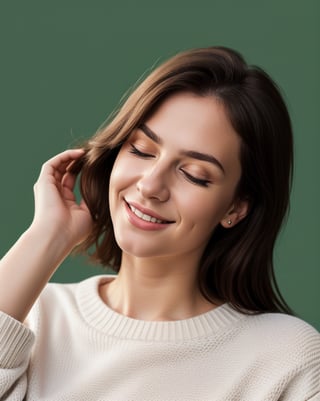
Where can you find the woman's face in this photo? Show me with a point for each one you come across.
(175, 178)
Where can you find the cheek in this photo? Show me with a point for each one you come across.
(125, 169)
(116, 182)
(120, 173)
(204, 211)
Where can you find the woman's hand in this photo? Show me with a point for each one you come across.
(56, 211)
(59, 224)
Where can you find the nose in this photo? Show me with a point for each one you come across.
(153, 184)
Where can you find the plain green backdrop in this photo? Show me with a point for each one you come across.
(66, 64)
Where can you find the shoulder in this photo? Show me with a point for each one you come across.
(60, 301)
(286, 327)
(280, 348)
(291, 342)
(62, 292)
(281, 331)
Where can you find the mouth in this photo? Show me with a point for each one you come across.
(147, 217)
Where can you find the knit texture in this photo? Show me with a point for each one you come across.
(76, 348)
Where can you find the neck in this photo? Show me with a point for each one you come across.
(154, 290)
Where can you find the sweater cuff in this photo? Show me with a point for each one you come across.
(16, 341)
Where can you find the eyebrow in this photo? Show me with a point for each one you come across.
(150, 134)
(190, 153)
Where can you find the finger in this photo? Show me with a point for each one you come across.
(69, 180)
(65, 157)
(62, 160)
(68, 194)
(59, 163)
(84, 206)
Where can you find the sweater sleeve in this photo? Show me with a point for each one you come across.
(16, 341)
(305, 379)
(316, 397)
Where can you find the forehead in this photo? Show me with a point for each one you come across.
(188, 121)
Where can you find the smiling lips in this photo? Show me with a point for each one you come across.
(146, 217)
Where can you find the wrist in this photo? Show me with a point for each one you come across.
(49, 241)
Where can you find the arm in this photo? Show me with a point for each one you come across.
(16, 341)
(59, 224)
(315, 398)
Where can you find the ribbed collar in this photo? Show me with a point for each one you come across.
(100, 317)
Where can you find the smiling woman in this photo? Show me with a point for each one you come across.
(184, 193)
(222, 95)
(172, 176)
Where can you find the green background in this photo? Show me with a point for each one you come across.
(66, 64)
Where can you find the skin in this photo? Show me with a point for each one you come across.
(59, 224)
(157, 278)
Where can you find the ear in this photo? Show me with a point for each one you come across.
(236, 213)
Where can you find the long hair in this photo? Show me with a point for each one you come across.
(237, 264)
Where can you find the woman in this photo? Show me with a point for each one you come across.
(184, 193)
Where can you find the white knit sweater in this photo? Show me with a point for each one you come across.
(75, 348)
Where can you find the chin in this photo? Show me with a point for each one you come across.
(140, 248)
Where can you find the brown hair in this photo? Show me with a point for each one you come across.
(237, 265)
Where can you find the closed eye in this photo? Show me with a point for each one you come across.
(195, 180)
(137, 152)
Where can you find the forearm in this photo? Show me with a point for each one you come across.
(59, 224)
(26, 269)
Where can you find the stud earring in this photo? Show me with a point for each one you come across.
(229, 222)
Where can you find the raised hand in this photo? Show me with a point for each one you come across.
(56, 209)
(59, 224)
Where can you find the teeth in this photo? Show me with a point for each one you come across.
(143, 216)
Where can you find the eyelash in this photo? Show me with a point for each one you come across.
(137, 152)
(191, 178)
(194, 180)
